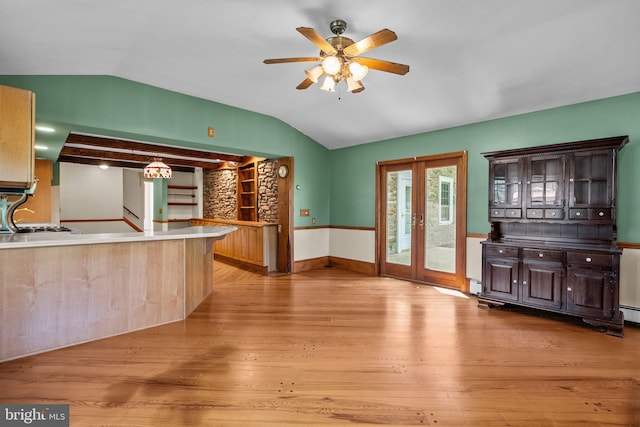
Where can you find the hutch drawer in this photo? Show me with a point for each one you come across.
(501, 251)
(542, 255)
(595, 260)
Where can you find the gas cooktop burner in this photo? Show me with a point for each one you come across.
(43, 228)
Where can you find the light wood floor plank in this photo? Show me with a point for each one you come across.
(332, 347)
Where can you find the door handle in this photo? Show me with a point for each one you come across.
(421, 220)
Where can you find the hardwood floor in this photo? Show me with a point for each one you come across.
(332, 347)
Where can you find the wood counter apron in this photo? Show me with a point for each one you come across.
(59, 289)
(253, 247)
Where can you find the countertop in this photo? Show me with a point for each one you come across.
(34, 240)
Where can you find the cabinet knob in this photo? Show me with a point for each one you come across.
(588, 259)
(524, 282)
(501, 251)
(495, 212)
(578, 213)
(541, 255)
(600, 213)
(570, 179)
(569, 289)
(515, 281)
(553, 213)
(513, 212)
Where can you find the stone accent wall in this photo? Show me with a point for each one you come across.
(268, 191)
(220, 193)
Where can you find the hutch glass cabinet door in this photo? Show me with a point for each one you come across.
(545, 181)
(591, 186)
(506, 185)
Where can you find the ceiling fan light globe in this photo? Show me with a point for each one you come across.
(329, 84)
(314, 73)
(358, 72)
(331, 65)
(353, 85)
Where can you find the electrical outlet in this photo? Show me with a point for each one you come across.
(210, 132)
(313, 220)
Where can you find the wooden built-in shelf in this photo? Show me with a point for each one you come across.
(247, 197)
(182, 187)
(182, 195)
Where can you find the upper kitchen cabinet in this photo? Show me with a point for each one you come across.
(17, 137)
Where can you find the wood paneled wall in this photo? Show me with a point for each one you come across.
(253, 243)
(53, 297)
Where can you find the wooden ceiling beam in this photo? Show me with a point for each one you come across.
(154, 150)
(114, 163)
(141, 159)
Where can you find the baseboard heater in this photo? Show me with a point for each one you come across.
(631, 314)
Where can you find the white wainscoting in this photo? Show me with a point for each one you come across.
(310, 243)
(630, 284)
(358, 245)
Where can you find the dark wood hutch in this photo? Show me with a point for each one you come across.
(553, 243)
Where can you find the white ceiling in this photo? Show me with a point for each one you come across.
(470, 60)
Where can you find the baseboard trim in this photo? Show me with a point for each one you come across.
(329, 261)
(631, 314)
(363, 267)
(310, 264)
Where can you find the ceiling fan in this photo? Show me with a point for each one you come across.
(340, 58)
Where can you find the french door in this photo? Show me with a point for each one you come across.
(422, 219)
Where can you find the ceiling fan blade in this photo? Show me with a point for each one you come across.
(285, 60)
(380, 65)
(374, 40)
(318, 40)
(304, 84)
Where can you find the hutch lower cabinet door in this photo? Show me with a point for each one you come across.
(542, 284)
(500, 272)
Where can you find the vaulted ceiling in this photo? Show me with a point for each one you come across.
(469, 60)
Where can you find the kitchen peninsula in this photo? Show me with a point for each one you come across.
(61, 289)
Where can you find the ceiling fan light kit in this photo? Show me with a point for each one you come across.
(340, 60)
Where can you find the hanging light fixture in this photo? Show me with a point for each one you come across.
(340, 59)
(157, 169)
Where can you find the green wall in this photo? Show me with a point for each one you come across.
(116, 107)
(337, 186)
(354, 204)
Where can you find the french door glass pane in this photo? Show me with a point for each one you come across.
(439, 223)
(399, 188)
